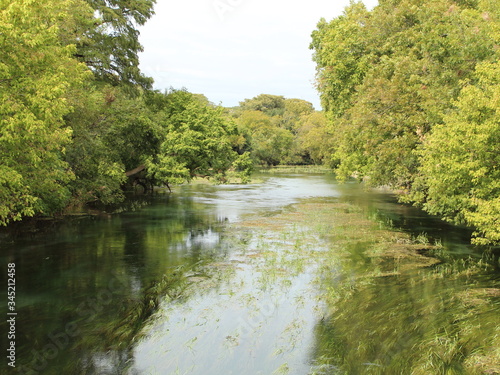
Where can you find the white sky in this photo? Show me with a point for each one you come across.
(230, 50)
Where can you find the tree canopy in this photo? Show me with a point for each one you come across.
(76, 113)
(197, 141)
(403, 86)
(37, 71)
(110, 46)
(409, 91)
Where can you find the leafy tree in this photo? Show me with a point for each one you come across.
(342, 57)
(389, 80)
(244, 167)
(314, 137)
(268, 143)
(37, 72)
(196, 142)
(293, 111)
(269, 125)
(387, 76)
(460, 176)
(269, 104)
(112, 133)
(110, 47)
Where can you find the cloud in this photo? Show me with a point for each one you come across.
(238, 51)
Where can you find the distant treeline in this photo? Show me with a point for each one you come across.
(412, 93)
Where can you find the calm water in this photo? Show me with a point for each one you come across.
(88, 300)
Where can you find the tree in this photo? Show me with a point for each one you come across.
(270, 126)
(267, 143)
(460, 175)
(387, 76)
(294, 109)
(196, 141)
(112, 133)
(342, 57)
(314, 138)
(37, 72)
(269, 104)
(110, 47)
(390, 79)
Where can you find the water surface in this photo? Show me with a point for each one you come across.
(215, 280)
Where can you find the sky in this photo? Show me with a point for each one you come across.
(231, 50)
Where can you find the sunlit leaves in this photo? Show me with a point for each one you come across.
(341, 57)
(274, 130)
(111, 46)
(268, 143)
(196, 141)
(314, 137)
(389, 79)
(461, 159)
(36, 73)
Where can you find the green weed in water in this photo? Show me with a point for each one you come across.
(385, 311)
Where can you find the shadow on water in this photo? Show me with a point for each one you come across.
(254, 279)
(85, 287)
(387, 317)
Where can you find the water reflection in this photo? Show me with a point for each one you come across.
(105, 295)
(79, 284)
(408, 323)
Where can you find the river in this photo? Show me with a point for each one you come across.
(296, 274)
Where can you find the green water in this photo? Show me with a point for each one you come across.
(184, 285)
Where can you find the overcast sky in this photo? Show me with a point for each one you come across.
(230, 50)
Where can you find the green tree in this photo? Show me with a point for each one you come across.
(112, 133)
(197, 141)
(342, 57)
(110, 47)
(294, 109)
(387, 76)
(271, 105)
(389, 80)
(269, 125)
(314, 137)
(460, 176)
(244, 166)
(37, 72)
(268, 143)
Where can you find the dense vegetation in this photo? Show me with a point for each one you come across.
(410, 92)
(412, 96)
(275, 130)
(77, 114)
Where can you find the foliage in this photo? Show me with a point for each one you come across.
(243, 165)
(269, 104)
(196, 141)
(111, 45)
(459, 177)
(112, 133)
(314, 137)
(269, 144)
(274, 130)
(36, 73)
(295, 110)
(340, 55)
(67, 139)
(389, 80)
